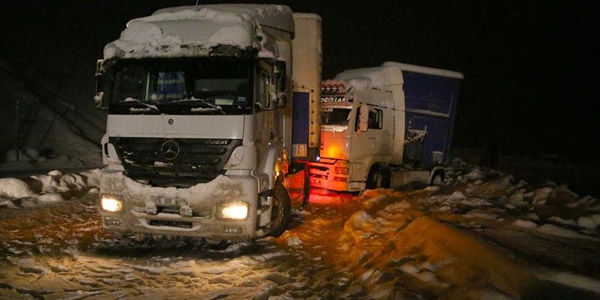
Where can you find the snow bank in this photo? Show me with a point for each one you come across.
(50, 188)
(14, 188)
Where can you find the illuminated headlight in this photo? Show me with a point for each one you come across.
(234, 210)
(109, 203)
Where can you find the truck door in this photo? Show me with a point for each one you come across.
(367, 132)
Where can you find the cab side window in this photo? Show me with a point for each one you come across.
(368, 118)
(375, 118)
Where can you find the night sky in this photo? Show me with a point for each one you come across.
(531, 67)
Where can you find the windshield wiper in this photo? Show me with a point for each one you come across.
(136, 101)
(206, 105)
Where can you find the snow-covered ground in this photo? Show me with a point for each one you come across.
(482, 235)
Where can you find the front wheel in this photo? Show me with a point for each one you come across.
(438, 178)
(379, 177)
(280, 211)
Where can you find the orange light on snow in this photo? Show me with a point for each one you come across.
(325, 197)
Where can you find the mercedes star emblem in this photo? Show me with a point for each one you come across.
(169, 150)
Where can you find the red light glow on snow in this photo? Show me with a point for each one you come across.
(320, 196)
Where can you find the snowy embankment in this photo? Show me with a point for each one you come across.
(52, 187)
(481, 235)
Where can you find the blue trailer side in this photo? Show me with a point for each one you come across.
(430, 104)
(300, 127)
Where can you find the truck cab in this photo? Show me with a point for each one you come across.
(356, 132)
(384, 126)
(197, 141)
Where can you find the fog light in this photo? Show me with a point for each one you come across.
(112, 221)
(233, 230)
(234, 210)
(341, 170)
(109, 203)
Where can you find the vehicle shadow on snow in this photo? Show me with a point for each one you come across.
(184, 248)
(553, 290)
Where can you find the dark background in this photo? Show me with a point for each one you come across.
(531, 67)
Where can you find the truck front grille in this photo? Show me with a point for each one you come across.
(168, 223)
(174, 162)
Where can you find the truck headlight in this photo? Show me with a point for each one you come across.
(111, 203)
(341, 170)
(234, 210)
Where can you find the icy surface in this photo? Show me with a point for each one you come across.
(463, 240)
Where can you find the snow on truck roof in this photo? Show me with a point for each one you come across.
(387, 74)
(425, 70)
(168, 29)
(270, 15)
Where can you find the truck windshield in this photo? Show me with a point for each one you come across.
(335, 116)
(212, 85)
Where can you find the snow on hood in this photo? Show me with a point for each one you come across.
(222, 186)
(193, 30)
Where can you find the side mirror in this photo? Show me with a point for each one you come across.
(99, 100)
(272, 96)
(281, 100)
(277, 99)
(281, 84)
(363, 118)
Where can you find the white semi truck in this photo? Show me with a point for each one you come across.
(199, 126)
(383, 126)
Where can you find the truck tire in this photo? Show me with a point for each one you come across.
(281, 211)
(379, 177)
(438, 178)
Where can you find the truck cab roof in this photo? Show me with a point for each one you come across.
(388, 74)
(193, 30)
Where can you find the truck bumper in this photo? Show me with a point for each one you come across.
(196, 211)
(335, 176)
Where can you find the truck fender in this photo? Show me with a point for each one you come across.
(104, 145)
(279, 215)
(109, 153)
(270, 166)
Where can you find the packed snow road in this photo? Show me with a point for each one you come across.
(60, 251)
(481, 235)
